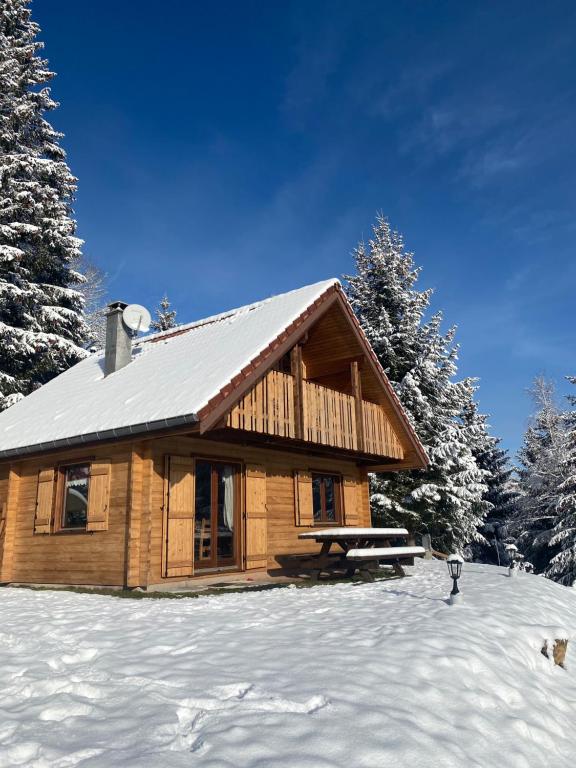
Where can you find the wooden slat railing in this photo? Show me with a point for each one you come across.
(379, 437)
(268, 407)
(329, 417)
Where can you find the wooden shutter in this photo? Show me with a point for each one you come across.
(303, 498)
(351, 501)
(98, 496)
(256, 517)
(44, 501)
(181, 501)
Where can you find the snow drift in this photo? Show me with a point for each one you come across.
(365, 675)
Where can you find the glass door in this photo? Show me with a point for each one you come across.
(215, 514)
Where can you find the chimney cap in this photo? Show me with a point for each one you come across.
(116, 305)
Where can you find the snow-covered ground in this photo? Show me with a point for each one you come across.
(363, 675)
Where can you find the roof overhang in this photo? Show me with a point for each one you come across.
(120, 433)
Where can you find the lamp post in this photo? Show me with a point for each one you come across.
(455, 563)
(513, 557)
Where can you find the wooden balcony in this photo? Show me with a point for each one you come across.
(328, 417)
(267, 408)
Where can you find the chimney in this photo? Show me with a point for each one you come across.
(118, 350)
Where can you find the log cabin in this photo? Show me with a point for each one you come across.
(200, 450)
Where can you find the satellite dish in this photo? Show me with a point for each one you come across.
(136, 317)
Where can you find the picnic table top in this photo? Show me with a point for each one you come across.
(353, 533)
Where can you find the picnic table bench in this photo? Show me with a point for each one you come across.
(360, 549)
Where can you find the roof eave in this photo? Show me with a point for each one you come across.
(97, 437)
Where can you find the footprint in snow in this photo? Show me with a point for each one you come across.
(184, 649)
(195, 713)
(232, 691)
(59, 712)
(247, 698)
(81, 656)
(76, 758)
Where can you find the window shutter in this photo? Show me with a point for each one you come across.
(351, 501)
(303, 498)
(44, 501)
(98, 496)
(181, 503)
(256, 517)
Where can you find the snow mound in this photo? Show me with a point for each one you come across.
(365, 675)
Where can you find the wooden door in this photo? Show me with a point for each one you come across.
(179, 539)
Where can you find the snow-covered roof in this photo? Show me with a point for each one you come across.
(172, 376)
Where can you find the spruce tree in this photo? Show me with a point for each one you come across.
(562, 566)
(446, 500)
(41, 325)
(501, 488)
(165, 317)
(541, 473)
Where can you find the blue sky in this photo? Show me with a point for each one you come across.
(227, 151)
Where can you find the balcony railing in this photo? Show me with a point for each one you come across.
(268, 407)
(328, 417)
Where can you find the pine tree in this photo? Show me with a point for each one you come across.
(41, 325)
(165, 317)
(541, 473)
(501, 488)
(562, 566)
(446, 500)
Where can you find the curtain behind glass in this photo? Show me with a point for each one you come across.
(228, 506)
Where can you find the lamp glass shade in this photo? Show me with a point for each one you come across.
(454, 568)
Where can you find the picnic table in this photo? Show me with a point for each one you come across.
(359, 549)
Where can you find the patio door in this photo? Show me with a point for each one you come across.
(216, 514)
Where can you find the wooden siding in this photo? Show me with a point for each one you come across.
(280, 466)
(130, 550)
(4, 473)
(81, 557)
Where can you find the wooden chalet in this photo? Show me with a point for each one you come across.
(203, 449)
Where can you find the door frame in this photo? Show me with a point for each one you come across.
(235, 561)
(239, 516)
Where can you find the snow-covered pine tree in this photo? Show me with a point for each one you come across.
(501, 493)
(445, 500)
(541, 473)
(41, 325)
(562, 566)
(165, 317)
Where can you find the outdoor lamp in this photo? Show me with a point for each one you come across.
(513, 558)
(454, 563)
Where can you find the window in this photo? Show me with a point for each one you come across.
(76, 483)
(326, 498)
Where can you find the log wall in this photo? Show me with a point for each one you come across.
(282, 532)
(130, 550)
(77, 557)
